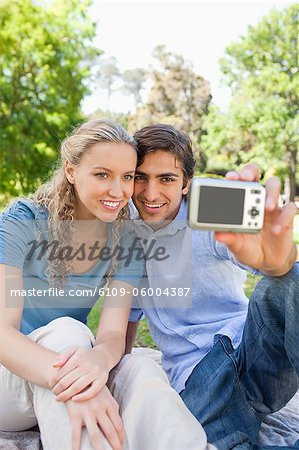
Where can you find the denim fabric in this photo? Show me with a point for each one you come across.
(231, 390)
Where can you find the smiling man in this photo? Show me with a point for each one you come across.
(158, 193)
(232, 361)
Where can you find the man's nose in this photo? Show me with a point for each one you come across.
(151, 192)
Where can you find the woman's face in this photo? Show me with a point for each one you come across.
(103, 180)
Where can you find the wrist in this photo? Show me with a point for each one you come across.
(285, 268)
(103, 356)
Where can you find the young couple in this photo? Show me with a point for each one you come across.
(231, 363)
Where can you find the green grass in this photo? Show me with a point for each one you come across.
(144, 338)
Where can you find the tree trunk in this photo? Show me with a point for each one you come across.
(291, 182)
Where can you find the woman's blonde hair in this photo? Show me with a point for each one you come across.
(58, 194)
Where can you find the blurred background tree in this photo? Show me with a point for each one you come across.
(43, 79)
(261, 124)
(133, 84)
(177, 96)
(106, 75)
(48, 64)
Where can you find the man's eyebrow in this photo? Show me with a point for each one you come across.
(168, 174)
(159, 175)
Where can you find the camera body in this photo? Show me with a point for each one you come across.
(226, 205)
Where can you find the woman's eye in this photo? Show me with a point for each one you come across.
(102, 175)
(128, 177)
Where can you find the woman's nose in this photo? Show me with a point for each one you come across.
(115, 189)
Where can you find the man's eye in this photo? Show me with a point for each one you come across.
(128, 177)
(139, 177)
(167, 179)
(102, 175)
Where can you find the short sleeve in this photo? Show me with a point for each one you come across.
(130, 258)
(136, 315)
(17, 230)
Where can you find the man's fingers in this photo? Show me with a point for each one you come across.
(232, 175)
(233, 240)
(250, 172)
(285, 219)
(272, 193)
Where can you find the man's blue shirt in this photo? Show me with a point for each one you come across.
(184, 327)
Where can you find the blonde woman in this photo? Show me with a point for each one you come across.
(58, 249)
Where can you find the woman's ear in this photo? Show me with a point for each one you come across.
(187, 187)
(69, 171)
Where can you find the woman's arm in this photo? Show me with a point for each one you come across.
(88, 369)
(112, 329)
(18, 353)
(34, 363)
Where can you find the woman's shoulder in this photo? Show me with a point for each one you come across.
(25, 209)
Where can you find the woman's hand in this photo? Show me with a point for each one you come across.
(77, 371)
(98, 414)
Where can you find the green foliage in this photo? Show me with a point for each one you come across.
(262, 120)
(43, 79)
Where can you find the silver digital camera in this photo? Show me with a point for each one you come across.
(226, 205)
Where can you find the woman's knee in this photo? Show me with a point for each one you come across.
(137, 371)
(62, 334)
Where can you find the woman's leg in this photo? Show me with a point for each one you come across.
(16, 402)
(154, 415)
(60, 335)
(23, 404)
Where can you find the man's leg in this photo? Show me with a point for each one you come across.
(269, 353)
(230, 391)
(154, 415)
(282, 427)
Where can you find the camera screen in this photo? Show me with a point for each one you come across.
(221, 205)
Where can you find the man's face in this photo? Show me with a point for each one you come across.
(159, 187)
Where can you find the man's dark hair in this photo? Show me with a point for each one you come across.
(169, 139)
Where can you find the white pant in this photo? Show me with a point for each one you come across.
(154, 415)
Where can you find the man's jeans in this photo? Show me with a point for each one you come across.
(231, 390)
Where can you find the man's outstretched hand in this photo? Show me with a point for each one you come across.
(272, 251)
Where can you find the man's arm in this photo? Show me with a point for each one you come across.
(272, 251)
(131, 336)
